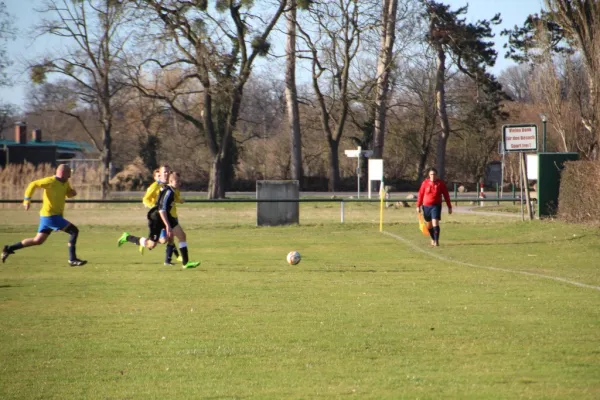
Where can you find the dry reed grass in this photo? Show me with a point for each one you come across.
(15, 178)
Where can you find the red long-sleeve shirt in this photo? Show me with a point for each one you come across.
(431, 193)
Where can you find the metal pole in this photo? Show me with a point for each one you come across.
(358, 174)
(544, 136)
(513, 193)
(521, 186)
(342, 211)
(502, 177)
(497, 193)
(455, 195)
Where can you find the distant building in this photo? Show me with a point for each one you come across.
(37, 151)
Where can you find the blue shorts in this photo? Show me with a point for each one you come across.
(52, 223)
(432, 212)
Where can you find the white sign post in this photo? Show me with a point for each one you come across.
(519, 139)
(358, 153)
(375, 172)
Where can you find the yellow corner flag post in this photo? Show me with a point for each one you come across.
(381, 198)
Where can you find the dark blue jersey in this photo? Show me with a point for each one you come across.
(166, 199)
(165, 202)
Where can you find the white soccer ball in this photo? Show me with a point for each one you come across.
(293, 257)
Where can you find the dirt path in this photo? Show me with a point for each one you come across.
(476, 210)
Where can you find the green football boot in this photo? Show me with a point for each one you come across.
(191, 264)
(122, 239)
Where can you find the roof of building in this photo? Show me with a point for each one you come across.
(60, 144)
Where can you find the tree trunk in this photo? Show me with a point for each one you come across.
(423, 153)
(106, 159)
(222, 159)
(594, 117)
(383, 74)
(216, 183)
(291, 96)
(440, 96)
(334, 166)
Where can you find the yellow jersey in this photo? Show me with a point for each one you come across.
(177, 200)
(53, 199)
(151, 195)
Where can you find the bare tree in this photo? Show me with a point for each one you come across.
(93, 29)
(466, 45)
(580, 21)
(148, 120)
(332, 36)
(418, 97)
(7, 113)
(6, 33)
(209, 53)
(515, 81)
(291, 92)
(569, 29)
(475, 121)
(43, 101)
(550, 93)
(367, 76)
(384, 67)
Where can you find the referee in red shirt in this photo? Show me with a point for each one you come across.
(430, 198)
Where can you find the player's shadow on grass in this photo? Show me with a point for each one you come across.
(8, 286)
(345, 270)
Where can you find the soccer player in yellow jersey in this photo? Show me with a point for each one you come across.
(151, 195)
(56, 190)
(153, 190)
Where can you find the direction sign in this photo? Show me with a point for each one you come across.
(522, 137)
(355, 153)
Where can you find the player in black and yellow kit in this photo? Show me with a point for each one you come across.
(161, 176)
(56, 189)
(160, 217)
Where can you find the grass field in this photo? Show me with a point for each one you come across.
(502, 310)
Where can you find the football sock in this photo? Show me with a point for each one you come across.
(431, 233)
(184, 252)
(436, 233)
(133, 239)
(169, 252)
(72, 255)
(15, 246)
(73, 233)
(175, 251)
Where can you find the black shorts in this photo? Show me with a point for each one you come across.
(156, 224)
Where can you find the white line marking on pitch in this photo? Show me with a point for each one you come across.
(439, 257)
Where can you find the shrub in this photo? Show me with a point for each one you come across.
(579, 195)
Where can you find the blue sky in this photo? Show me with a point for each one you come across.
(25, 47)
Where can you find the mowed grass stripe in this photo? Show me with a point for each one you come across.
(432, 253)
